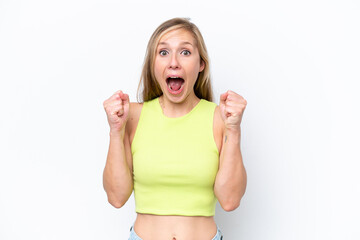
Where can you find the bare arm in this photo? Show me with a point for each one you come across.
(231, 179)
(117, 175)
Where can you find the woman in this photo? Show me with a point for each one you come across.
(177, 150)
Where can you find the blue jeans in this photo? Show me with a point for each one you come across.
(134, 236)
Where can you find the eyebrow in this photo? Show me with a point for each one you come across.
(183, 43)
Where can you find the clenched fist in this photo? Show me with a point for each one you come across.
(117, 111)
(232, 107)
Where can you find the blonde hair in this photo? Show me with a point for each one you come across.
(150, 87)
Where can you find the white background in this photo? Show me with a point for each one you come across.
(296, 63)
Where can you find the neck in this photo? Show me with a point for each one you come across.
(178, 109)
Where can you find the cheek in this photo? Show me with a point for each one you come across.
(194, 69)
(157, 70)
(159, 65)
(195, 65)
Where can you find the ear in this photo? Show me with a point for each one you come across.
(202, 65)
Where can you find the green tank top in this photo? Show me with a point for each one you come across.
(175, 161)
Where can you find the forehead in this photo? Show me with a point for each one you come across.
(178, 36)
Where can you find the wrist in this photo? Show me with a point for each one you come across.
(117, 133)
(232, 135)
(233, 130)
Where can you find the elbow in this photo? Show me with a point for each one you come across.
(117, 200)
(117, 197)
(232, 202)
(231, 206)
(116, 203)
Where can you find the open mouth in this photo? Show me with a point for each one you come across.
(175, 84)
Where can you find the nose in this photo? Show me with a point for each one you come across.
(174, 62)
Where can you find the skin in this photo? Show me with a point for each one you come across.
(178, 55)
(174, 58)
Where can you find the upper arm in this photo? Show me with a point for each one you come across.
(130, 128)
(218, 129)
(127, 146)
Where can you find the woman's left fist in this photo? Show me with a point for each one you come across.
(232, 107)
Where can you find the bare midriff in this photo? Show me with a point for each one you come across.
(159, 227)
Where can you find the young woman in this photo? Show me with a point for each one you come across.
(177, 150)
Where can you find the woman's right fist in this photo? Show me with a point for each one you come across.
(117, 110)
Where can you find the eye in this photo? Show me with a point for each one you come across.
(163, 53)
(186, 52)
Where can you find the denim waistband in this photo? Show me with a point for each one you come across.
(134, 236)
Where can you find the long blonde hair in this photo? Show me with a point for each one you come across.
(150, 87)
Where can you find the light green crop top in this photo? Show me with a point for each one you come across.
(175, 161)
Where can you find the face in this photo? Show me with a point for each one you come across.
(177, 65)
